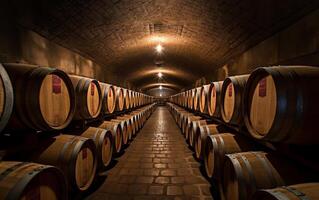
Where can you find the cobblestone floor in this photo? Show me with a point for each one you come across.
(157, 165)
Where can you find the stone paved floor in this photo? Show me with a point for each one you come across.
(157, 165)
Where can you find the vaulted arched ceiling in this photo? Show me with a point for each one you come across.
(197, 35)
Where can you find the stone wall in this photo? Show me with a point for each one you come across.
(295, 45)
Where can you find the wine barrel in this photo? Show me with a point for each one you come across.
(23, 180)
(103, 142)
(197, 92)
(134, 99)
(200, 137)
(130, 125)
(119, 99)
(191, 98)
(124, 127)
(116, 131)
(281, 104)
(108, 98)
(127, 104)
(187, 125)
(44, 98)
(304, 191)
(245, 173)
(134, 122)
(74, 155)
(179, 117)
(217, 146)
(131, 98)
(6, 98)
(184, 119)
(232, 99)
(214, 107)
(192, 130)
(88, 97)
(204, 99)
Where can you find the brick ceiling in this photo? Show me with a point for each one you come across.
(198, 35)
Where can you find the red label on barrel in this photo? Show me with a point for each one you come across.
(110, 93)
(84, 153)
(214, 92)
(56, 84)
(230, 90)
(262, 87)
(92, 88)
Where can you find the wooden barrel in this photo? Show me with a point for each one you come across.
(44, 98)
(184, 121)
(130, 125)
(6, 98)
(108, 98)
(23, 180)
(74, 155)
(232, 99)
(217, 146)
(187, 125)
(200, 137)
(134, 99)
(204, 99)
(127, 103)
(245, 173)
(124, 127)
(192, 130)
(103, 142)
(281, 104)
(133, 122)
(116, 131)
(214, 107)
(197, 92)
(304, 191)
(131, 98)
(191, 98)
(88, 97)
(119, 99)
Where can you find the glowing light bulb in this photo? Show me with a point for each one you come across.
(160, 87)
(159, 48)
(160, 95)
(160, 75)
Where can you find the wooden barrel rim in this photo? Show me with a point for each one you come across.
(33, 88)
(127, 99)
(208, 156)
(215, 86)
(81, 144)
(83, 97)
(237, 86)
(226, 82)
(8, 98)
(18, 190)
(252, 82)
(296, 191)
(103, 137)
(106, 98)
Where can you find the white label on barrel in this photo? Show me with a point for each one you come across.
(230, 90)
(56, 84)
(262, 87)
(92, 88)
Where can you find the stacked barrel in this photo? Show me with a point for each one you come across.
(255, 134)
(67, 128)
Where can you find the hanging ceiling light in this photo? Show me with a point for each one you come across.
(160, 75)
(160, 87)
(159, 48)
